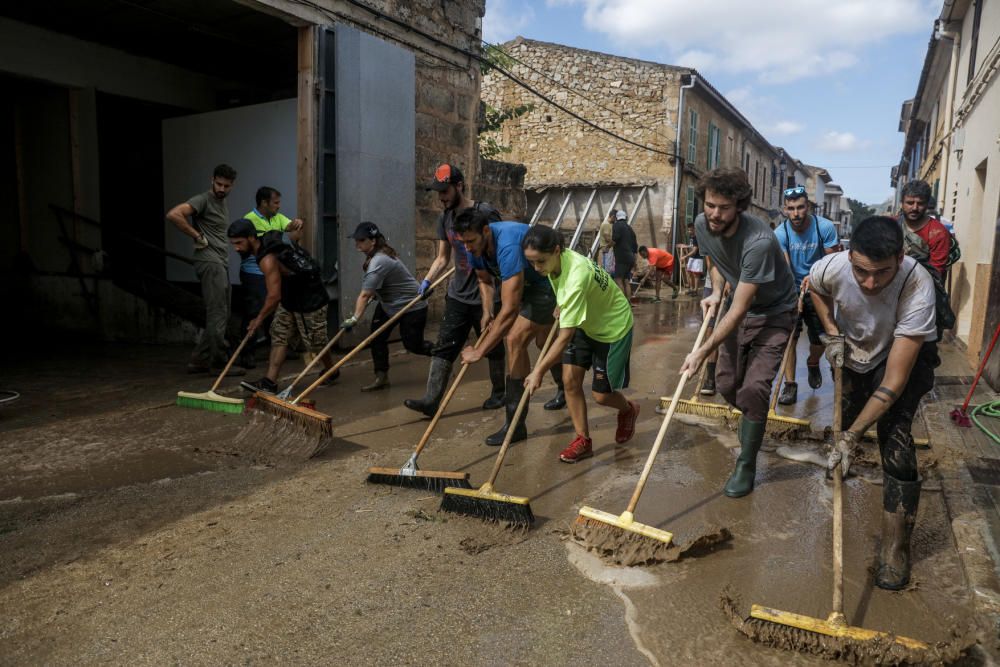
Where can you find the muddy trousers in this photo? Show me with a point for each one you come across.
(899, 458)
(212, 349)
(411, 330)
(749, 359)
(459, 319)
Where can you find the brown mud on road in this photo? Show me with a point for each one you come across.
(203, 557)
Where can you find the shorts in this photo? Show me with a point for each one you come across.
(610, 360)
(623, 270)
(813, 326)
(696, 265)
(538, 303)
(288, 327)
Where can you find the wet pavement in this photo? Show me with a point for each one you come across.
(135, 531)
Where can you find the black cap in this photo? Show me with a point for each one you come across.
(241, 229)
(366, 230)
(445, 175)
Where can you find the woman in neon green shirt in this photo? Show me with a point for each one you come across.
(595, 330)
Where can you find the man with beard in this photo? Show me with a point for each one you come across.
(752, 335)
(928, 240)
(804, 238)
(295, 296)
(209, 214)
(878, 313)
(527, 305)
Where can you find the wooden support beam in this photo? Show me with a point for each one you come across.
(306, 133)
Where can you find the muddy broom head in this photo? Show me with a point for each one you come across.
(621, 538)
(486, 504)
(210, 401)
(309, 420)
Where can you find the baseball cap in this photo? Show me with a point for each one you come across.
(621, 215)
(366, 230)
(445, 175)
(241, 229)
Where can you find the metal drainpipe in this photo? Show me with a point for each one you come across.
(678, 169)
(949, 105)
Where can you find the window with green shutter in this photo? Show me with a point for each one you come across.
(689, 205)
(693, 137)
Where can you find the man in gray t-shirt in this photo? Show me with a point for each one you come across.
(463, 310)
(877, 308)
(752, 336)
(209, 220)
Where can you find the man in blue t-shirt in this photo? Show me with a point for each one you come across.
(527, 304)
(805, 238)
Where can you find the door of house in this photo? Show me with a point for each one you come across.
(992, 372)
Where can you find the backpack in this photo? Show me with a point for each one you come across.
(917, 248)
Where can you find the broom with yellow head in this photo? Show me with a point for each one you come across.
(694, 406)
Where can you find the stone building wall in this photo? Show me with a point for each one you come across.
(502, 184)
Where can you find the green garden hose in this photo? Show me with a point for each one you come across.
(991, 409)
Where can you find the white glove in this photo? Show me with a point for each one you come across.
(834, 349)
(349, 323)
(843, 452)
(201, 242)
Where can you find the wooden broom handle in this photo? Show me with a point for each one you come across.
(666, 421)
(838, 501)
(229, 365)
(375, 334)
(704, 367)
(317, 357)
(447, 398)
(784, 358)
(511, 427)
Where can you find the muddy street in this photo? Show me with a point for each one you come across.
(135, 532)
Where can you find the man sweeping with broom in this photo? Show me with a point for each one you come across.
(752, 336)
(527, 306)
(595, 330)
(877, 308)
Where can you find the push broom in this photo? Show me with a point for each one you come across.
(696, 407)
(805, 633)
(211, 401)
(609, 533)
(484, 502)
(313, 421)
(780, 425)
(410, 475)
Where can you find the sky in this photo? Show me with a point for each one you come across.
(825, 79)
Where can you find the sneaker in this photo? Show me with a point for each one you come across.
(789, 394)
(264, 384)
(579, 449)
(330, 380)
(815, 377)
(626, 423)
(657, 299)
(708, 386)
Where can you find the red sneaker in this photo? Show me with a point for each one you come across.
(626, 423)
(579, 449)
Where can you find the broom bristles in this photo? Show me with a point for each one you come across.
(310, 421)
(210, 401)
(620, 545)
(495, 507)
(423, 479)
(700, 408)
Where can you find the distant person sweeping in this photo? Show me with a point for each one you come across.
(295, 295)
(388, 280)
(595, 331)
(877, 310)
(752, 336)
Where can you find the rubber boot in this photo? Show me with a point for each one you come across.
(515, 388)
(899, 513)
(751, 435)
(498, 378)
(557, 402)
(437, 378)
(381, 382)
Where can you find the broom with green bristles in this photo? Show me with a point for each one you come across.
(313, 422)
(831, 637)
(610, 534)
(211, 401)
(484, 502)
(430, 480)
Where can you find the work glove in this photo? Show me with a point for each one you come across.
(201, 242)
(349, 323)
(834, 349)
(843, 452)
(425, 290)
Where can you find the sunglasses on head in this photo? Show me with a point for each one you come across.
(797, 191)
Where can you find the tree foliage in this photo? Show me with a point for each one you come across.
(492, 119)
(859, 210)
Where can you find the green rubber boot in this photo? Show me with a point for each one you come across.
(751, 435)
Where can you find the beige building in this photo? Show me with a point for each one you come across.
(953, 143)
(670, 124)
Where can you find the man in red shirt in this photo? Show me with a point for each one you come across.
(934, 239)
(661, 262)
